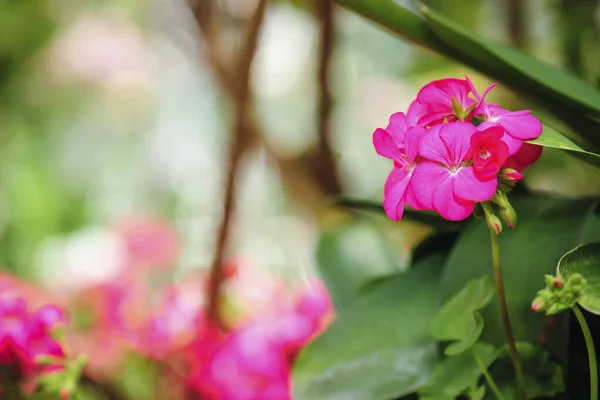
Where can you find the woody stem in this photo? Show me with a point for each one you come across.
(510, 337)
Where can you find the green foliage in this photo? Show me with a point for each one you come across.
(380, 347)
(460, 318)
(584, 260)
(455, 375)
(543, 377)
(345, 267)
(548, 227)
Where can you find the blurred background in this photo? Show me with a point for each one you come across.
(119, 121)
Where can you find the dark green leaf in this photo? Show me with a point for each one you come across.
(543, 377)
(454, 375)
(350, 255)
(429, 218)
(380, 348)
(517, 67)
(584, 260)
(459, 319)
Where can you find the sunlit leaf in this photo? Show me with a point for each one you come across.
(584, 260)
(459, 319)
(381, 347)
(349, 256)
(553, 139)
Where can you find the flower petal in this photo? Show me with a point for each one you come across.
(425, 177)
(456, 137)
(393, 193)
(385, 145)
(411, 198)
(397, 128)
(468, 187)
(521, 125)
(411, 142)
(446, 203)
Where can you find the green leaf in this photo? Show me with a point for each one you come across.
(429, 218)
(460, 318)
(584, 260)
(543, 377)
(477, 393)
(350, 255)
(547, 228)
(553, 139)
(454, 375)
(515, 66)
(380, 348)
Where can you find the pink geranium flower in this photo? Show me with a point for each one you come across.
(488, 152)
(435, 102)
(443, 181)
(399, 143)
(518, 125)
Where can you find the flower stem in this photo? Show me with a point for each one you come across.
(591, 352)
(510, 337)
(487, 376)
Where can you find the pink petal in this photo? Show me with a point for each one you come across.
(456, 137)
(425, 177)
(397, 128)
(432, 148)
(468, 187)
(512, 143)
(446, 204)
(385, 145)
(411, 199)
(415, 112)
(521, 125)
(393, 193)
(412, 138)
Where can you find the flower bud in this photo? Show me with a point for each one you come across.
(493, 222)
(537, 305)
(509, 216)
(509, 175)
(558, 283)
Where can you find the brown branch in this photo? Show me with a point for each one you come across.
(237, 149)
(325, 163)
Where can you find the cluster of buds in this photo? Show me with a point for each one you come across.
(559, 295)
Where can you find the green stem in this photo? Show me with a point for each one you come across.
(487, 376)
(510, 337)
(591, 352)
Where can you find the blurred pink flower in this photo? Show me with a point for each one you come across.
(149, 243)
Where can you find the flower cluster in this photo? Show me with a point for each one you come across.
(452, 150)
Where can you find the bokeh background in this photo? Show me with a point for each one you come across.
(115, 130)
